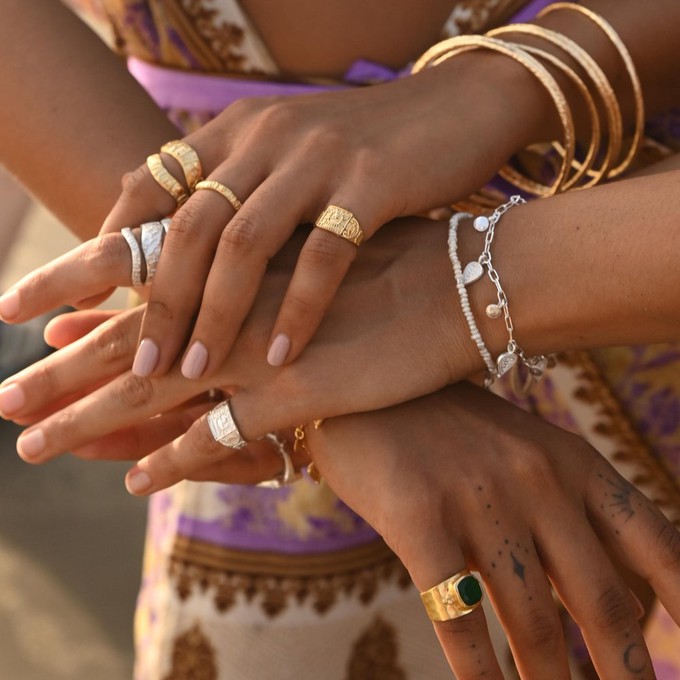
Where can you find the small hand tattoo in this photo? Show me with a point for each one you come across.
(518, 568)
(634, 658)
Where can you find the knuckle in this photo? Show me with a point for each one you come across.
(112, 344)
(542, 631)
(323, 252)
(613, 609)
(135, 392)
(45, 381)
(530, 465)
(300, 308)
(159, 310)
(278, 114)
(185, 224)
(212, 318)
(239, 237)
(668, 546)
(135, 183)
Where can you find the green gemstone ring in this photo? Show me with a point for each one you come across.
(456, 596)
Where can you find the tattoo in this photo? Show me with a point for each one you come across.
(518, 568)
(634, 658)
(621, 498)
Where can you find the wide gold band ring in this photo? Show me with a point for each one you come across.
(188, 159)
(455, 597)
(161, 174)
(342, 223)
(226, 192)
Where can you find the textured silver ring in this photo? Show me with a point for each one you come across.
(166, 224)
(223, 427)
(152, 242)
(136, 253)
(289, 473)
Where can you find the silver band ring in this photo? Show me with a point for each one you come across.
(289, 473)
(223, 427)
(136, 253)
(152, 242)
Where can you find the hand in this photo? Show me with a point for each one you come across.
(463, 479)
(381, 152)
(86, 392)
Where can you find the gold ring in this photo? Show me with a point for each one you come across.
(187, 157)
(213, 185)
(455, 597)
(342, 223)
(160, 173)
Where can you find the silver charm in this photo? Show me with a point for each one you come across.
(223, 427)
(481, 223)
(505, 362)
(493, 311)
(473, 272)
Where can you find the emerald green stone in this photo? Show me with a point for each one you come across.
(469, 590)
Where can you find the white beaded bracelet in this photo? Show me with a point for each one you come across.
(462, 292)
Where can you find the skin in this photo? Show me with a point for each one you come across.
(336, 145)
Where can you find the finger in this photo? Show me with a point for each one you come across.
(95, 358)
(323, 263)
(638, 533)
(123, 402)
(88, 270)
(65, 329)
(266, 221)
(522, 597)
(133, 443)
(595, 596)
(188, 254)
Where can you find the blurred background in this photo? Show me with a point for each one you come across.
(70, 535)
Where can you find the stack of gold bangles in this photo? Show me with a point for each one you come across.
(597, 164)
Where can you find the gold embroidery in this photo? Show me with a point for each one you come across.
(375, 655)
(274, 580)
(193, 657)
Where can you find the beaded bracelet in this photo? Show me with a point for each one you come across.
(472, 272)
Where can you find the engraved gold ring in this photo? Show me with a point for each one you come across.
(342, 223)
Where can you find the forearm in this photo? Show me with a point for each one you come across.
(73, 120)
(588, 268)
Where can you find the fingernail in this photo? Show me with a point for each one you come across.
(279, 350)
(12, 399)
(31, 444)
(638, 605)
(9, 305)
(138, 482)
(195, 361)
(146, 358)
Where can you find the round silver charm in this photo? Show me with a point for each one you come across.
(481, 223)
(493, 311)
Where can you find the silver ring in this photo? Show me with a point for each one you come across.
(223, 427)
(289, 473)
(136, 253)
(166, 224)
(152, 241)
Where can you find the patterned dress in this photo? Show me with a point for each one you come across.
(247, 583)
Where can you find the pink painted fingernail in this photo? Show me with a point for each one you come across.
(138, 482)
(195, 361)
(9, 305)
(12, 398)
(31, 444)
(279, 350)
(146, 358)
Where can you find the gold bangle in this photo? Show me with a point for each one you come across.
(161, 174)
(188, 159)
(595, 127)
(222, 190)
(606, 27)
(453, 46)
(599, 79)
